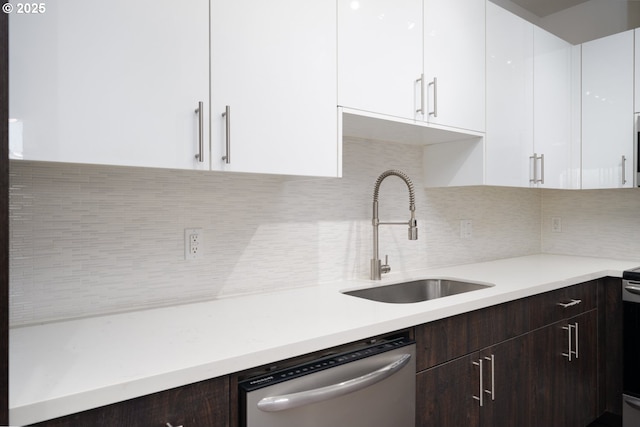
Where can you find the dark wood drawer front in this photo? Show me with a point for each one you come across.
(201, 404)
(560, 304)
(456, 336)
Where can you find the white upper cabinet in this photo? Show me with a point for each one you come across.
(556, 134)
(509, 136)
(416, 61)
(273, 65)
(380, 56)
(532, 131)
(454, 63)
(607, 111)
(113, 82)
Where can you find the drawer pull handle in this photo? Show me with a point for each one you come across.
(170, 425)
(570, 303)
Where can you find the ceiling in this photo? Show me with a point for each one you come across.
(578, 21)
(542, 8)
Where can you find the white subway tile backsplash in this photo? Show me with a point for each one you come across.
(89, 239)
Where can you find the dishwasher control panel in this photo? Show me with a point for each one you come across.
(321, 364)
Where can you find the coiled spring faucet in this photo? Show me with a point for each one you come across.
(377, 268)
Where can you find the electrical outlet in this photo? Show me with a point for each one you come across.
(193, 243)
(556, 224)
(466, 228)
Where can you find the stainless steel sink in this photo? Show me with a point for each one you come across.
(417, 290)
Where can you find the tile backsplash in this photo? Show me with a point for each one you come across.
(89, 239)
(600, 223)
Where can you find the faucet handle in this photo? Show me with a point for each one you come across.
(385, 268)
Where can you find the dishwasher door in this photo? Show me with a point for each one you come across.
(374, 386)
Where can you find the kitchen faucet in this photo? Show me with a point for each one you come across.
(377, 268)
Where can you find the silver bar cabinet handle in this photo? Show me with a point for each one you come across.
(568, 328)
(421, 80)
(170, 425)
(570, 303)
(227, 116)
(624, 170)
(481, 394)
(541, 181)
(576, 334)
(492, 359)
(532, 165)
(434, 83)
(294, 400)
(200, 113)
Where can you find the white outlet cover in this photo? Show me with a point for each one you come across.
(193, 243)
(466, 228)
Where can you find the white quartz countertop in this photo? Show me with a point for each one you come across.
(66, 367)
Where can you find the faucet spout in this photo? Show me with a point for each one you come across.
(377, 268)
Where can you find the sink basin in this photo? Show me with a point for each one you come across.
(417, 290)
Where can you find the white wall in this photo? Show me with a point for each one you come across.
(89, 240)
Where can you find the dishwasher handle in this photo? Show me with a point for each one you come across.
(294, 400)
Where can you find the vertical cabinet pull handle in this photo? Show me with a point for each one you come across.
(421, 80)
(200, 113)
(570, 352)
(434, 83)
(227, 116)
(573, 339)
(491, 392)
(481, 394)
(576, 337)
(533, 163)
(624, 170)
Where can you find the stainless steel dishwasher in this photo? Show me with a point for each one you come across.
(364, 387)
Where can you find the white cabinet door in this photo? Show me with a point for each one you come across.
(607, 112)
(509, 98)
(454, 63)
(274, 64)
(553, 108)
(114, 82)
(380, 56)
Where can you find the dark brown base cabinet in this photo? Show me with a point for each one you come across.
(527, 377)
(564, 392)
(195, 405)
(449, 394)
